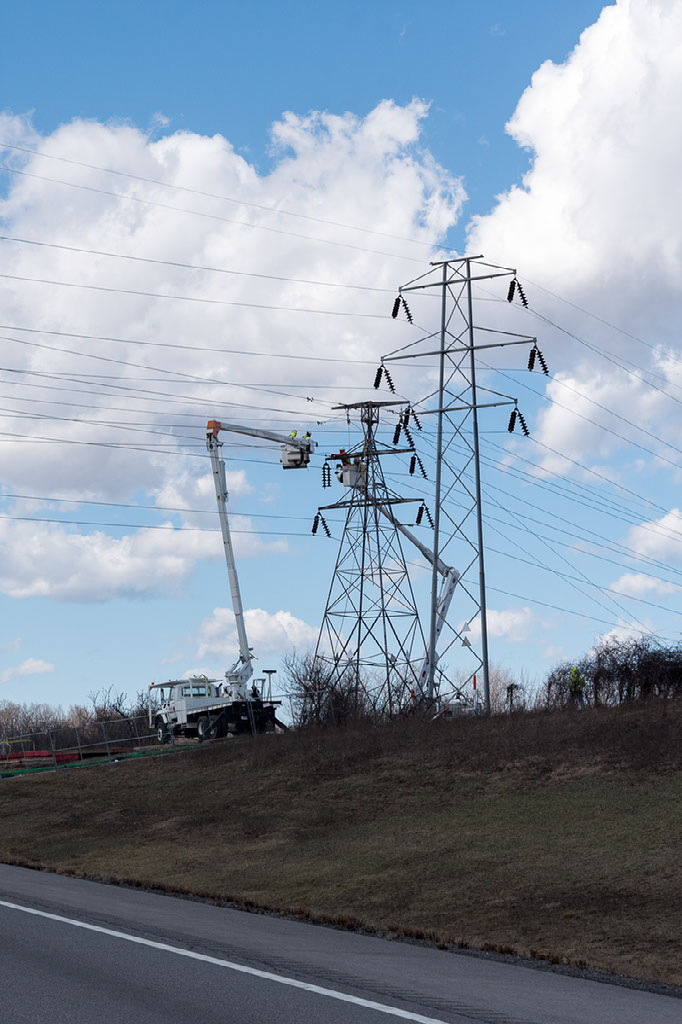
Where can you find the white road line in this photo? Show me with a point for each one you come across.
(393, 1011)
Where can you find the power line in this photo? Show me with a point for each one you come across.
(194, 266)
(193, 298)
(152, 508)
(187, 348)
(144, 526)
(142, 366)
(208, 216)
(211, 195)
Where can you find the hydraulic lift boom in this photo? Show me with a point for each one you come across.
(295, 454)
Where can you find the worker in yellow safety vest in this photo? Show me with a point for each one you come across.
(576, 687)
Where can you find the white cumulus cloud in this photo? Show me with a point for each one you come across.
(30, 667)
(92, 367)
(597, 219)
(267, 633)
(639, 585)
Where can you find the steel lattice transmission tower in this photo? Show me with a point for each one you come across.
(455, 403)
(371, 639)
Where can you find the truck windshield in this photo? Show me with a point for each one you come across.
(194, 691)
(166, 695)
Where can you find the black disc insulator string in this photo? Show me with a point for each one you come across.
(420, 515)
(543, 364)
(524, 428)
(413, 464)
(377, 377)
(326, 475)
(407, 311)
(531, 357)
(389, 380)
(512, 421)
(512, 290)
(396, 308)
(316, 523)
(396, 432)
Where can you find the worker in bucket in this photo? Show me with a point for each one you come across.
(293, 434)
(343, 455)
(576, 687)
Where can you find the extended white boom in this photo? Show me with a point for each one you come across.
(295, 455)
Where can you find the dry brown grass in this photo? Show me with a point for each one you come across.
(547, 835)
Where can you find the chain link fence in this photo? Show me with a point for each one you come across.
(92, 743)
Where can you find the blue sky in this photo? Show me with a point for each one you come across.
(229, 68)
(233, 70)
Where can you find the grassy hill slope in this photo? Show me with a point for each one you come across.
(548, 835)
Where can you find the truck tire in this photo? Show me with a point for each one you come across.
(162, 734)
(202, 727)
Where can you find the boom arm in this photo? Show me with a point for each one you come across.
(295, 454)
(450, 579)
(242, 670)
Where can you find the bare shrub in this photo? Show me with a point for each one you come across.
(619, 671)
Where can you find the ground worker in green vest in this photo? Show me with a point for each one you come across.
(576, 687)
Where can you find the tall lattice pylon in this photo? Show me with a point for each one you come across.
(371, 641)
(457, 535)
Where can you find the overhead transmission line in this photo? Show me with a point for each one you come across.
(208, 216)
(190, 377)
(573, 581)
(194, 266)
(211, 195)
(193, 298)
(145, 526)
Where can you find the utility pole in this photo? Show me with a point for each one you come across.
(456, 404)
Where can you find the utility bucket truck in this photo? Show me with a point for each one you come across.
(204, 707)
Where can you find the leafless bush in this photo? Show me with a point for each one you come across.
(319, 696)
(619, 671)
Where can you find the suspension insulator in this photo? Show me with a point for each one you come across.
(389, 380)
(326, 475)
(407, 311)
(524, 428)
(324, 525)
(512, 290)
(531, 358)
(512, 421)
(406, 417)
(413, 464)
(396, 432)
(543, 364)
(420, 515)
(421, 467)
(408, 435)
(416, 419)
(428, 516)
(316, 523)
(522, 295)
(396, 308)
(377, 377)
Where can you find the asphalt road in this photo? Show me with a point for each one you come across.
(84, 953)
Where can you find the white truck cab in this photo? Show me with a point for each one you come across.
(190, 707)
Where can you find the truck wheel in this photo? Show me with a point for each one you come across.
(162, 734)
(202, 727)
